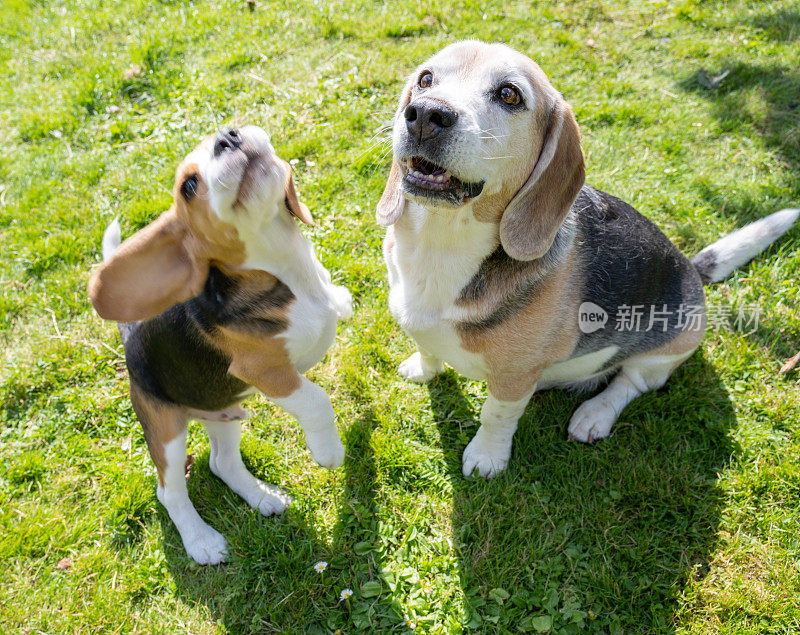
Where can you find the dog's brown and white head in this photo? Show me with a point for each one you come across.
(231, 187)
(480, 124)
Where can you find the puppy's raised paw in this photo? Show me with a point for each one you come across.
(344, 302)
(417, 370)
(327, 449)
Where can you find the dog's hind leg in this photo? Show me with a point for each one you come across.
(226, 463)
(164, 427)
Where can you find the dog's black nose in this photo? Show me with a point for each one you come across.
(227, 140)
(426, 118)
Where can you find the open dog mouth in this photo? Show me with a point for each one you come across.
(428, 179)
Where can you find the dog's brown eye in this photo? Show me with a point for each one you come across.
(426, 79)
(189, 187)
(510, 95)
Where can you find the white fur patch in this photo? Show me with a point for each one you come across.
(112, 237)
(433, 258)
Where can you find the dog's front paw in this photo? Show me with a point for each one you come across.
(207, 546)
(326, 448)
(417, 370)
(343, 300)
(267, 499)
(591, 422)
(489, 456)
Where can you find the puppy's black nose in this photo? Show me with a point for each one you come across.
(227, 140)
(426, 118)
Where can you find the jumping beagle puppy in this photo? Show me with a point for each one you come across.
(503, 264)
(217, 298)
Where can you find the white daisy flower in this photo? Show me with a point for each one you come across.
(320, 566)
(346, 594)
(407, 621)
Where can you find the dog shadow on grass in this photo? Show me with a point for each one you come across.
(270, 584)
(601, 537)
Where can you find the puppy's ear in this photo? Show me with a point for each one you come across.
(298, 209)
(148, 273)
(392, 203)
(532, 218)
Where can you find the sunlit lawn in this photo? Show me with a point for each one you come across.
(687, 519)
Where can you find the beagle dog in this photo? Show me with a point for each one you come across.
(220, 297)
(504, 265)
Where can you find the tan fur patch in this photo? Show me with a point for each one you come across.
(389, 240)
(470, 56)
(685, 342)
(167, 261)
(210, 238)
(263, 363)
(161, 422)
(490, 208)
(519, 349)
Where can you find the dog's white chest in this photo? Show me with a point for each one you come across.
(443, 342)
(429, 264)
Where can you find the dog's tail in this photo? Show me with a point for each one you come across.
(717, 261)
(112, 237)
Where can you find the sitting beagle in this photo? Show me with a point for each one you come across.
(504, 265)
(217, 298)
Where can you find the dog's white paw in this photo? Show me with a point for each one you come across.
(414, 369)
(268, 499)
(591, 422)
(490, 457)
(326, 448)
(343, 300)
(207, 546)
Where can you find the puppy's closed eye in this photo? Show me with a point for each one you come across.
(189, 187)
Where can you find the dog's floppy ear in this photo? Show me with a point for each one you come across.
(392, 203)
(298, 209)
(532, 218)
(148, 273)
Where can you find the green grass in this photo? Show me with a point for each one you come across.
(686, 520)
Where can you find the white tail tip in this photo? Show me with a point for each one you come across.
(112, 237)
(717, 261)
